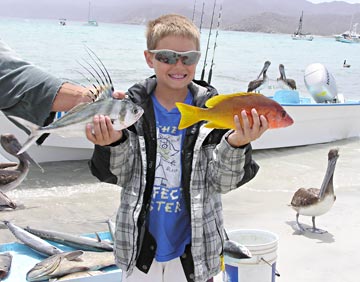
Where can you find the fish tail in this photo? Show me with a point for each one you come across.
(189, 115)
(34, 129)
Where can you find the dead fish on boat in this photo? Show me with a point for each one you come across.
(34, 242)
(234, 249)
(69, 262)
(123, 113)
(221, 109)
(12, 174)
(5, 202)
(75, 241)
(5, 265)
(80, 274)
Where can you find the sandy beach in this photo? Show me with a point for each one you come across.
(66, 197)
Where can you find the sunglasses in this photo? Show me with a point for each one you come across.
(171, 57)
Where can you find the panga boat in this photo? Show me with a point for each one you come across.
(325, 117)
(322, 118)
(24, 258)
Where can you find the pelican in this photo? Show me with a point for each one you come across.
(284, 82)
(260, 83)
(314, 202)
(12, 174)
(345, 65)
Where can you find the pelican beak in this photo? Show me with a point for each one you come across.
(27, 157)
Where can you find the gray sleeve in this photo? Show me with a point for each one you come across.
(25, 90)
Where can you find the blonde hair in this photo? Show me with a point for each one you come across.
(171, 25)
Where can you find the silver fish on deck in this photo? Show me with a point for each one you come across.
(123, 113)
(37, 244)
(75, 241)
(5, 265)
(80, 274)
(70, 262)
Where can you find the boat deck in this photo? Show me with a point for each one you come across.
(24, 258)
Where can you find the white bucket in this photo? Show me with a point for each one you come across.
(261, 267)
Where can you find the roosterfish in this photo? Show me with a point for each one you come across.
(221, 109)
(123, 113)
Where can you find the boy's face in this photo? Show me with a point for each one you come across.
(172, 76)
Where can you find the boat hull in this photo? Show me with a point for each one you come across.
(54, 148)
(313, 124)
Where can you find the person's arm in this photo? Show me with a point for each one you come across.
(29, 92)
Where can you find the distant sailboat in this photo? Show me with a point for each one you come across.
(298, 35)
(91, 22)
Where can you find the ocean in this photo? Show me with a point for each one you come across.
(238, 57)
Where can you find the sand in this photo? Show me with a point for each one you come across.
(66, 197)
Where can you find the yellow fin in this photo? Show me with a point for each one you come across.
(212, 124)
(221, 97)
(189, 115)
(222, 263)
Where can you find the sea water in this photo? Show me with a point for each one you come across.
(238, 56)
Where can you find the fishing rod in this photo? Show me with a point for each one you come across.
(193, 15)
(215, 45)
(208, 41)
(202, 15)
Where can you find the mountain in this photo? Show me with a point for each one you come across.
(272, 16)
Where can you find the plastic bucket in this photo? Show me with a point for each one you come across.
(261, 267)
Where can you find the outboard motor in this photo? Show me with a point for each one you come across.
(320, 83)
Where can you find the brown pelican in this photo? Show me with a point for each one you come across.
(12, 174)
(314, 202)
(260, 83)
(284, 82)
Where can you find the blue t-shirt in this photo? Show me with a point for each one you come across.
(169, 221)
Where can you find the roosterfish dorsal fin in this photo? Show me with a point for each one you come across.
(213, 101)
(78, 107)
(74, 255)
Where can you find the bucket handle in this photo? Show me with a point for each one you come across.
(268, 263)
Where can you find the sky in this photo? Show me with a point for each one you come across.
(322, 1)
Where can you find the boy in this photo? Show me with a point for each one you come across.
(169, 223)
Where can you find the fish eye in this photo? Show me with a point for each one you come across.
(135, 111)
(283, 114)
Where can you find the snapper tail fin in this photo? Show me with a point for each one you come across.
(189, 115)
(34, 128)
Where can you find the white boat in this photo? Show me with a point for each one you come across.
(349, 36)
(54, 148)
(91, 22)
(298, 34)
(324, 117)
(62, 22)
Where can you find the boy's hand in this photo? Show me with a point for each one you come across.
(245, 135)
(102, 132)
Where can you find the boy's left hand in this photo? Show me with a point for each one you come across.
(247, 133)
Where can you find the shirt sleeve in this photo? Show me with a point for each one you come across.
(26, 90)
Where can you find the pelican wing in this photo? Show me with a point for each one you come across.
(5, 165)
(8, 176)
(305, 197)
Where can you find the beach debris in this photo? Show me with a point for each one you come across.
(80, 274)
(234, 249)
(34, 242)
(123, 113)
(260, 82)
(12, 174)
(313, 201)
(69, 262)
(221, 109)
(5, 202)
(75, 241)
(5, 264)
(283, 82)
